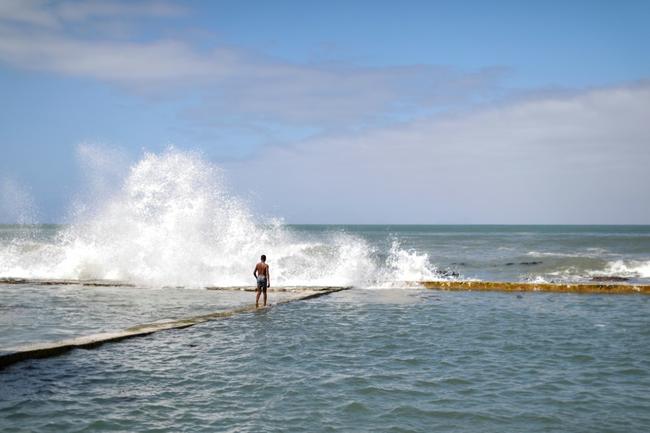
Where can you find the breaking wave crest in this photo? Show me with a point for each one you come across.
(626, 268)
(173, 222)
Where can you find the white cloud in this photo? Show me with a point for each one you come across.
(324, 95)
(84, 9)
(119, 62)
(236, 87)
(31, 12)
(570, 159)
(48, 14)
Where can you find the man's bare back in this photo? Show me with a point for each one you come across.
(261, 269)
(263, 277)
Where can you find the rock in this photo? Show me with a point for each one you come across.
(448, 273)
(609, 278)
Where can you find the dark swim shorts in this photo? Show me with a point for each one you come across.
(261, 283)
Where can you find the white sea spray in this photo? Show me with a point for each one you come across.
(173, 222)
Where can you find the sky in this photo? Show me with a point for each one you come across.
(428, 112)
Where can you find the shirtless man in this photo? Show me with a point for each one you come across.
(263, 277)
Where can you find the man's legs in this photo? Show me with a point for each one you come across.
(264, 296)
(258, 292)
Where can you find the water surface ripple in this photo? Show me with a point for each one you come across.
(364, 361)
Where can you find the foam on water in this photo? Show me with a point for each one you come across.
(625, 268)
(584, 268)
(173, 222)
(405, 266)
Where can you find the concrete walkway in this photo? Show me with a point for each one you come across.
(44, 350)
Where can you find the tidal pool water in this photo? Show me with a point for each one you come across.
(384, 360)
(34, 314)
(361, 360)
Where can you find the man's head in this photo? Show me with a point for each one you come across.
(263, 258)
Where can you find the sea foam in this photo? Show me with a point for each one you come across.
(173, 222)
(626, 268)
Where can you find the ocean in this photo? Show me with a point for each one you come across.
(384, 355)
(364, 256)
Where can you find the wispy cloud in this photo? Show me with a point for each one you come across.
(52, 14)
(576, 158)
(32, 12)
(236, 86)
(126, 63)
(84, 9)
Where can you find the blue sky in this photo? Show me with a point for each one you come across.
(539, 41)
(553, 94)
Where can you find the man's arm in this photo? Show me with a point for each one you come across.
(268, 276)
(255, 271)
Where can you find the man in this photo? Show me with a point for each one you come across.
(263, 277)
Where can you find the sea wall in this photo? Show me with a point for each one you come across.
(499, 286)
(11, 356)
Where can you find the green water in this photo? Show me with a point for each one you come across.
(364, 361)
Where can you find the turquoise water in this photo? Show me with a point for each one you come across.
(364, 360)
